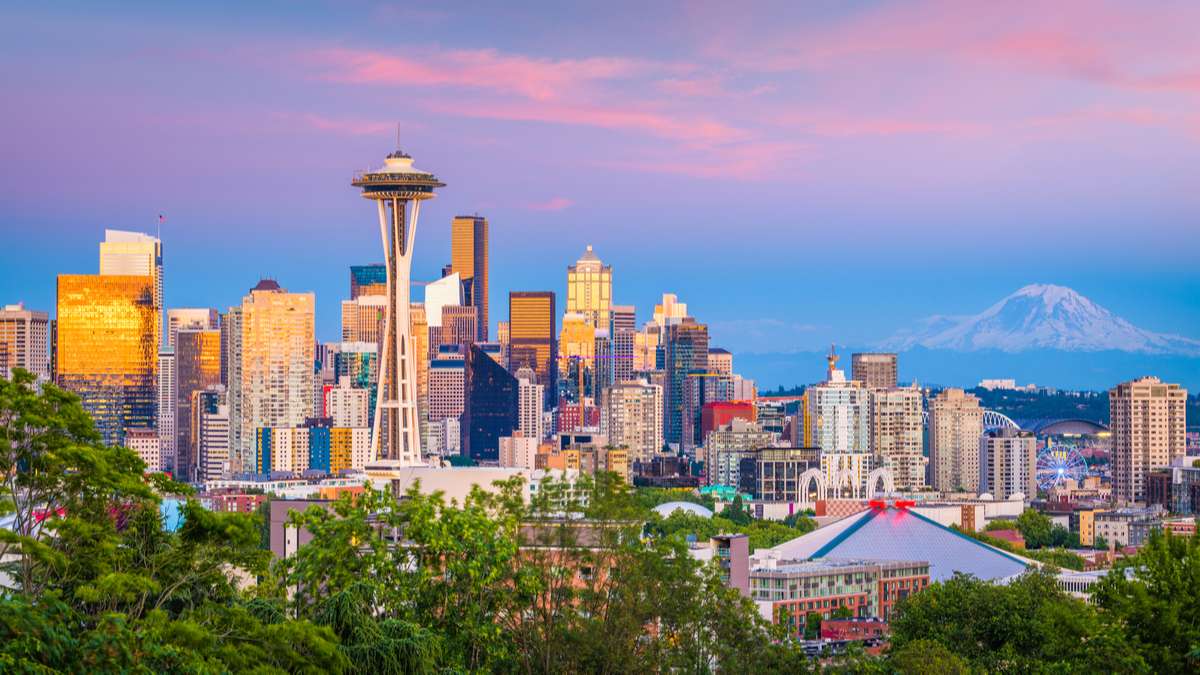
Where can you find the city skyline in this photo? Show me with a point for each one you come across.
(655, 125)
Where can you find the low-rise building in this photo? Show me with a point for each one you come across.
(1128, 526)
(788, 591)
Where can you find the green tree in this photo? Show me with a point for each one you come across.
(1154, 597)
(927, 657)
(1035, 527)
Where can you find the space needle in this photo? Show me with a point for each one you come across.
(398, 188)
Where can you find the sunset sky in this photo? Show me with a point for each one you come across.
(800, 173)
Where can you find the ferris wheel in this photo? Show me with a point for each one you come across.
(1059, 463)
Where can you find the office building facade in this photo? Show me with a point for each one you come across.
(532, 339)
(875, 370)
(469, 259)
(589, 289)
(24, 341)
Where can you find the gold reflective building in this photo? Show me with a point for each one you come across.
(469, 259)
(589, 289)
(108, 331)
(531, 339)
(197, 367)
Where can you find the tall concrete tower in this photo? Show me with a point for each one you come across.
(398, 189)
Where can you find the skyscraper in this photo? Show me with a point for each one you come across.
(874, 370)
(166, 410)
(897, 435)
(589, 289)
(362, 318)
(241, 459)
(459, 326)
(107, 349)
(210, 419)
(631, 417)
(398, 189)
(531, 397)
(276, 360)
(181, 318)
(492, 407)
(622, 330)
(685, 352)
(197, 367)
(1148, 418)
(368, 280)
(133, 254)
(24, 341)
(469, 259)
(1008, 463)
(576, 351)
(447, 384)
(531, 340)
(720, 361)
(955, 426)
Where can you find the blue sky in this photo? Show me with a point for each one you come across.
(797, 175)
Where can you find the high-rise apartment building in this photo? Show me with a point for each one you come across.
(182, 318)
(589, 289)
(277, 346)
(1008, 463)
(241, 459)
(532, 338)
(469, 259)
(167, 410)
(447, 384)
(955, 426)
(631, 417)
(210, 420)
(107, 339)
(1148, 418)
(685, 352)
(623, 332)
(839, 415)
(144, 444)
(197, 367)
(368, 280)
(492, 407)
(897, 435)
(669, 311)
(420, 338)
(602, 358)
(531, 398)
(726, 446)
(24, 341)
(348, 406)
(720, 361)
(362, 318)
(874, 370)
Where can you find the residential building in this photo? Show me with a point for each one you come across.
(1008, 463)
(144, 444)
(24, 341)
(589, 289)
(726, 446)
(717, 414)
(1148, 419)
(1128, 526)
(518, 450)
(774, 474)
(839, 414)
(362, 318)
(897, 435)
(631, 418)
(348, 406)
(277, 359)
(469, 259)
(447, 384)
(955, 426)
(210, 420)
(530, 397)
(720, 361)
(874, 370)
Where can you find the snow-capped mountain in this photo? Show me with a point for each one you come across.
(1041, 316)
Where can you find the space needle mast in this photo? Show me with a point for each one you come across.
(398, 188)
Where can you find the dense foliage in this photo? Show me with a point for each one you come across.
(409, 583)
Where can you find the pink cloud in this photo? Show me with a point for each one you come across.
(841, 125)
(693, 86)
(696, 131)
(552, 204)
(765, 160)
(538, 79)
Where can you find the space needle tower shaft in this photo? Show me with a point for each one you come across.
(398, 189)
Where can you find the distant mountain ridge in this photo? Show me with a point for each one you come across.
(1039, 317)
